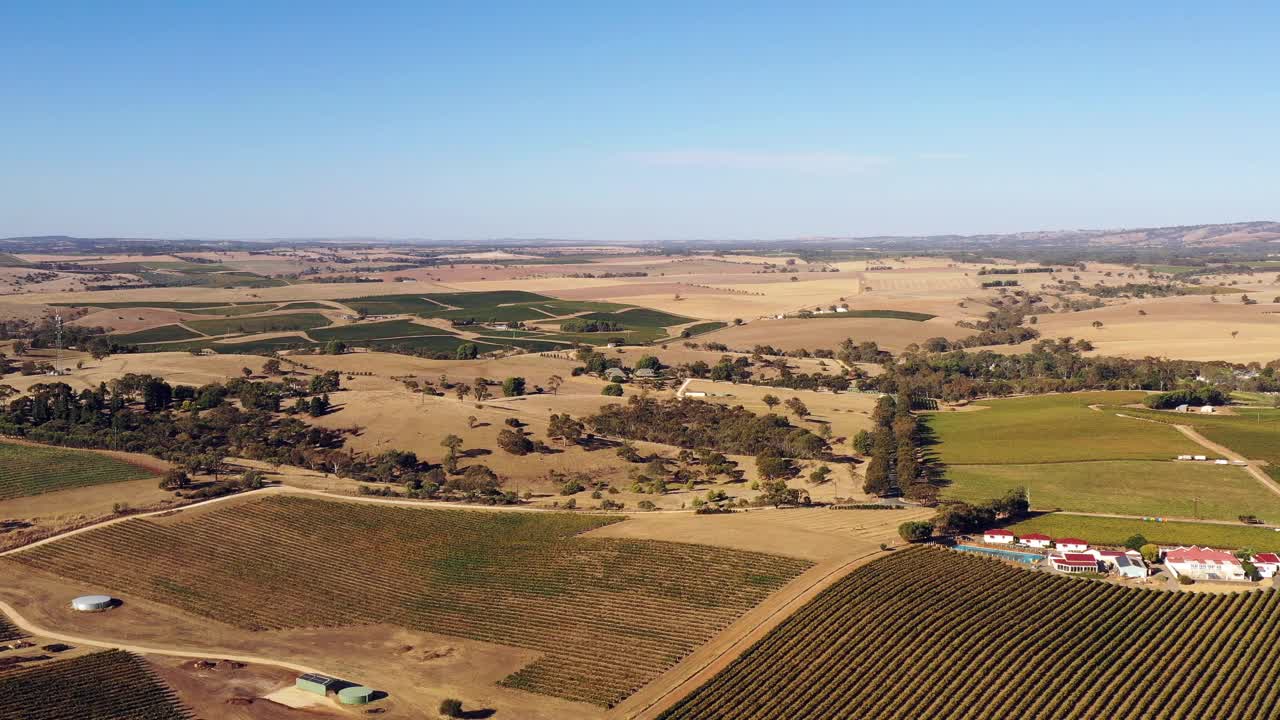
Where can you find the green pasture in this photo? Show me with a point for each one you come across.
(1052, 428)
(1123, 487)
(1114, 531)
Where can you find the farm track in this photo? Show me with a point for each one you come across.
(22, 623)
(1250, 466)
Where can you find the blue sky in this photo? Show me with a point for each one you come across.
(659, 120)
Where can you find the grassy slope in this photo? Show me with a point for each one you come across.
(1114, 531)
(27, 470)
(1126, 487)
(1053, 428)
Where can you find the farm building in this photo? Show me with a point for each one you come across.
(1200, 457)
(1207, 410)
(695, 393)
(646, 374)
(1071, 545)
(1127, 564)
(615, 374)
(1074, 562)
(1001, 537)
(1036, 540)
(1200, 563)
(93, 603)
(1267, 563)
(315, 683)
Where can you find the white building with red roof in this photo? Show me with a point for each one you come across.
(1200, 563)
(998, 537)
(1073, 562)
(1071, 545)
(1267, 564)
(1035, 540)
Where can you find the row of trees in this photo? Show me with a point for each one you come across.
(897, 464)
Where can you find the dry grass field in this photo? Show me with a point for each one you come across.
(1189, 327)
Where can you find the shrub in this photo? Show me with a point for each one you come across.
(612, 390)
(916, 531)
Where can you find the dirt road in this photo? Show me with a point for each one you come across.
(1226, 452)
(32, 629)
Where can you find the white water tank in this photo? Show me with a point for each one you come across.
(93, 603)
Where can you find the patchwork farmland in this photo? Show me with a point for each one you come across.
(933, 633)
(610, 615)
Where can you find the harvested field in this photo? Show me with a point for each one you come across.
(110, 685)
(609, 615)
(1185, 328)
(1053, 428)
(1021, 644)
(33, 470)
(828, 333)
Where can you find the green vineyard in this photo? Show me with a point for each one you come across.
(111, 685)
(609, 615)
(930, 633)
(29, 470)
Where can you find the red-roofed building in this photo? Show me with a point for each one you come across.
(1071, 545)
(1073, 562)
(999, 537)
(1035, 540)
(1200, 563)
(1267, 563)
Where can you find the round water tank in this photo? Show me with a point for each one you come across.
(355, 695)
(93, 603)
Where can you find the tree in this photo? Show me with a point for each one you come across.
(564, 428)
(157, 394)
(247, 372)
(1135, 542)
(797, 407)
(513, 386)
(772, 466)
(480, 390)
(318, 406)
(1150, 553)
(99, 347)
(553, 383)
(612, 390)
(777, 494)
(271, 367)
(472, 420)
(174, 480)
(648, 361)
(916, 531)
(335, 347)
(819, 475)
(771, 400)
(862, 443)
(461, 390)
(19, 347)
(451, 708)
(467, 351)
(514, 442)
(451, 442)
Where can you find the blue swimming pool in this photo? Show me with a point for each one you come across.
(1022, 557)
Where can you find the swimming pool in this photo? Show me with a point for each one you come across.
(1022, 557)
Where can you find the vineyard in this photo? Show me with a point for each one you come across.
(29, 470)
(609, 615)
(930, 633)
(111, 685)
(8, 631)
